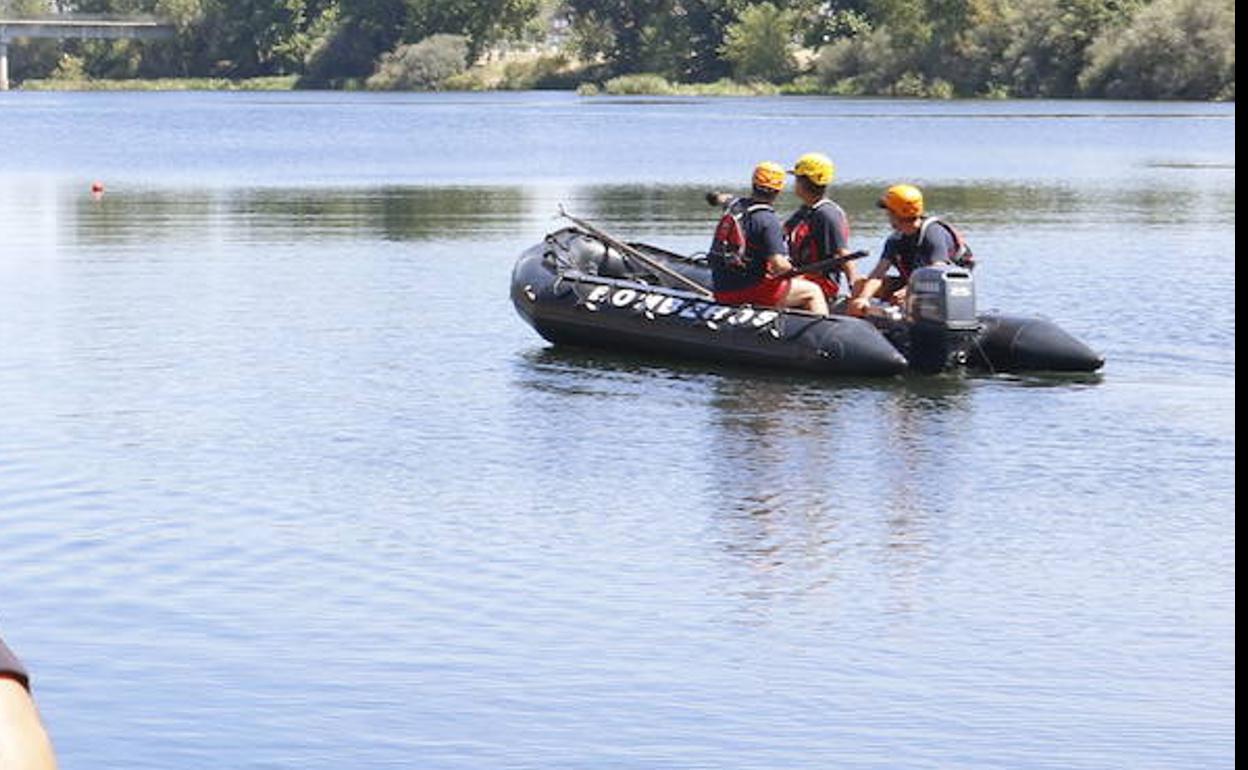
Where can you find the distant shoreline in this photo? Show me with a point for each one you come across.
(629, 85)
(275, 83)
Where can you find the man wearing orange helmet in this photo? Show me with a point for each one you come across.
(819, 230)
(914, 243)
(748, 254)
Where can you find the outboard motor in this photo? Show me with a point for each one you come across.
(940, 305)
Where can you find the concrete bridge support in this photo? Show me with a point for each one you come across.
(75, 28)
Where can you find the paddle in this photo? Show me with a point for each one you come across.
(823, 264)
(635, 254)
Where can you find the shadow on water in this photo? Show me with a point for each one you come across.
(586, 365)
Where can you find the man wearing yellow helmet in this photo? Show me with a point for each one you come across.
(819, 230)
(748, 254)
(914, 243)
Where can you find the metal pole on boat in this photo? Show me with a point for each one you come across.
(635, 254)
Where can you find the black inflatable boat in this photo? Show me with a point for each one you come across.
(587, 289)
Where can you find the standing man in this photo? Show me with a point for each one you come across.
(748, 255)
(24, 744)
(916, 241)
(819, 230)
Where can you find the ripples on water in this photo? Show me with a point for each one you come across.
(286, 483)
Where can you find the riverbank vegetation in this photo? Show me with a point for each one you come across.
(1130, 49)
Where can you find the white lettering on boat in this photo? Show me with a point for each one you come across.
(624, 297)
(656, 304)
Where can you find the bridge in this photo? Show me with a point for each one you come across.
(76, 28)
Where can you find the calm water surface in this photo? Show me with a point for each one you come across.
(285, 482)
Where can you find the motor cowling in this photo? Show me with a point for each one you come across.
(943, 295)
(940, 306)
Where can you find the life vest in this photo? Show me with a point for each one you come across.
(961, 254)
(802, 247)
(729, 245)
(804, 250)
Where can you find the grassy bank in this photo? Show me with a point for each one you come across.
(656, 85)
(280, 83)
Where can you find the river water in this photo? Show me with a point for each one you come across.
(285, 482)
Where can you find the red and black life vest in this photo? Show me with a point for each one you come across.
(729, 245)
(803, 248)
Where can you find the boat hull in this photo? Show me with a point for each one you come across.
(570, 307)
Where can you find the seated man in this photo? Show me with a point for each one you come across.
(748, 255)
(819, 230)
(916, 241)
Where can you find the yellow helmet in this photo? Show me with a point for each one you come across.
(769, 176)
(904, 200)
(816, 167)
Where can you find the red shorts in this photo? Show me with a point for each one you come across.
(830, 287)
(770, 292)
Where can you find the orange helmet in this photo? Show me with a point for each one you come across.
(769, 176)
(904, 200)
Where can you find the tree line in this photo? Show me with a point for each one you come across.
(1138, 49)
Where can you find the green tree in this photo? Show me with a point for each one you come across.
(760, 43)
(616, 29)
(360, 33)
(1050, 39)
(421, 66)
(1173, 49)
(481, 22)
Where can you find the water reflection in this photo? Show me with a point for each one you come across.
(291, 215)
(792, 508)
(777, 486)
(674, 216)
(682, 210)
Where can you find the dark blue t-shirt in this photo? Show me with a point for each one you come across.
(764, 236)
(907, 253)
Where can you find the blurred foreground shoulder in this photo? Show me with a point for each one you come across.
(24, 743)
